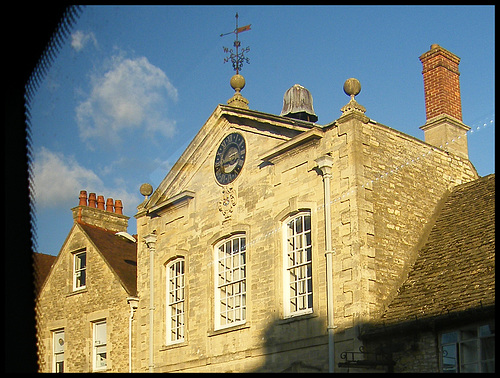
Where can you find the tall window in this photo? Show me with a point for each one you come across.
(230, 284)
(99, 345)
(470, 349)
(298, 294)
(58, 343)
(79, 270)
(175, 301)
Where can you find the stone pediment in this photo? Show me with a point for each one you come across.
(275, 129)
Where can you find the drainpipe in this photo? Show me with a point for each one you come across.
(325, 164)
(133, 302)
(151, 244)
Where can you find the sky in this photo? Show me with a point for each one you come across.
(132, 86)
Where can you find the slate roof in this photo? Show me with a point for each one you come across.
(41, 267)
(455, 270)
(119, 254)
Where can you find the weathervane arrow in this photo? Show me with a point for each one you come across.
(238, 58)
(237, 29)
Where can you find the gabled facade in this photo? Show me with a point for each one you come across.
(85, 304)
(273, 240)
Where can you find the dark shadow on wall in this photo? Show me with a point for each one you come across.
(297, 345)
(301, 345)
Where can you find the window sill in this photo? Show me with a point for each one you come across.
(173, 345)
(228, 329)
(295, 318)
(77, 291)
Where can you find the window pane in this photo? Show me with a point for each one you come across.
(485, 331)
(100, 361)
(468, 352)
(59, 367)
(488, 367)
(80, 278)
(99, 333)
(59, 342)
(468, 334)
(80, 261)
(449, 358)
(488, 348)
(450, 337)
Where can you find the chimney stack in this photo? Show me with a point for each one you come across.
(443, 106)
(94, 213)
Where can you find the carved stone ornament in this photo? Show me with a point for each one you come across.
(227, 202)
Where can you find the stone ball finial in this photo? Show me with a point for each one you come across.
(237, 82)
(352, 87)
(146, 189)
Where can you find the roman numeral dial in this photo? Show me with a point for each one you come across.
(229, 158)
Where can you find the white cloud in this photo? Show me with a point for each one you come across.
(80, 39)
(132, 94)
(58, 179)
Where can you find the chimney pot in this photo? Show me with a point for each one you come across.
(100, 202)
(109, 204)
(118, 207)
(83, 198)
(92, 201)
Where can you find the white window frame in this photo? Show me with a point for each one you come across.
(58, 344)
(79, 271)
(176, 296)
(297, 265)
(465, 349)
(99, 345)
(230, 283)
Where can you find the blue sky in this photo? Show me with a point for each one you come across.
(132, 86)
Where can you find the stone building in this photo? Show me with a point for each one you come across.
(274, 242)
(86, 302)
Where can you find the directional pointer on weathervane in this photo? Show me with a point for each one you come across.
(239, 57)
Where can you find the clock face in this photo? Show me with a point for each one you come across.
(229, 158)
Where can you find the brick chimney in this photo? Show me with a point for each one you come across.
(94, 213)
(443, 106)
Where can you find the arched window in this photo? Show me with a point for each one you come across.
(175, 301)
(298, 291)
(230, 282)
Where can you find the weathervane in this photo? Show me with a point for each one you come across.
(237, 58)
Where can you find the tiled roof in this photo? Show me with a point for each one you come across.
(120, 254)
(41, 264)
(455, 270)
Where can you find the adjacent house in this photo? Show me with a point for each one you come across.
(86, 302)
